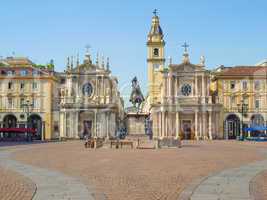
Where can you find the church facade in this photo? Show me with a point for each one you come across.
(89, 100)
(179, 100)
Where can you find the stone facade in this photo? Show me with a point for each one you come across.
(90, 103)
(179, 99)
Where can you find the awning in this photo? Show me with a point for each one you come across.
(18, 130)
(256, 128)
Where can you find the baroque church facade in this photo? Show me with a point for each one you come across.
(179, 100)
(89, 100)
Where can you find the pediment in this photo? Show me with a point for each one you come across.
(185, 67)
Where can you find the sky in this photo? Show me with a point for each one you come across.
(226, 32)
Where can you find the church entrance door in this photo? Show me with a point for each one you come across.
(187, 131)
(87, 128)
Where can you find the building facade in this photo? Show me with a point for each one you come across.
(179, 98)
(89, 100)
(237, 86)
(22, 82)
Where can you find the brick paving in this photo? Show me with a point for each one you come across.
(14, 186)
(258, 187)
(141, 174)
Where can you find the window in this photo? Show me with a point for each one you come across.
(257, 85)
(35, 73)
(245, 85)
(23, 72)
(156, 52)
(22, 102)
(9, 102)
(10, 85)
(233, 100)
(232, 85)
(10, 73)
(35, 103)
(22, 85)
(257, 103)
(34, 85)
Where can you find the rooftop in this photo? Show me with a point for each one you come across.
(16, 61)
(243, 71)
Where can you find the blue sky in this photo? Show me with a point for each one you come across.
(229, 32)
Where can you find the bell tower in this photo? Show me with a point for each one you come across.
(155, 59)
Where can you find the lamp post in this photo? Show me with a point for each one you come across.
(26, 108)
(242, 109)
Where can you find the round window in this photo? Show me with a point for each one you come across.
(186, 89)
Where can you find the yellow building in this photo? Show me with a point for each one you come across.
(26, 86)
(155, 60)
(237, 86)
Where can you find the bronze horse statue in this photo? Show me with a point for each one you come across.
(136, 95)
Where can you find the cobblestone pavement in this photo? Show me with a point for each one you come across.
(50, 185)
(229, 184)
(14, 186)
(258, 186)
(141, 174)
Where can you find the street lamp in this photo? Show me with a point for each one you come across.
(26, 108)
(243, 109)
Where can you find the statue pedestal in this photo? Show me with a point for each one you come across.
(135, 122)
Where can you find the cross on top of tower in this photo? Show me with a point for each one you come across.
(185, 45)
(155, 12)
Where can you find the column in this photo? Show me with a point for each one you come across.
(225, 130)
(204, 125)
(76, 125)
(163, 124)
(177, 125)
(157, 125)
(43, 131)
(107, 116)
(105, 91)
(210, 126)
(62, 124)
(173, 124)
(102, 89)
(196, 125)
(196, 85)
(160, 124)
(170, 86)
(201, 126)
(203, 88)
(164, 89)
(95, 124)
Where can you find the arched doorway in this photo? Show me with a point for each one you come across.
(256, 121)
(86, 124)
(9, 121)
(35, 121)
(232, 126)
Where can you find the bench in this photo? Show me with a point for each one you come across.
(126, 142)
(120, 143)
(94, 143)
